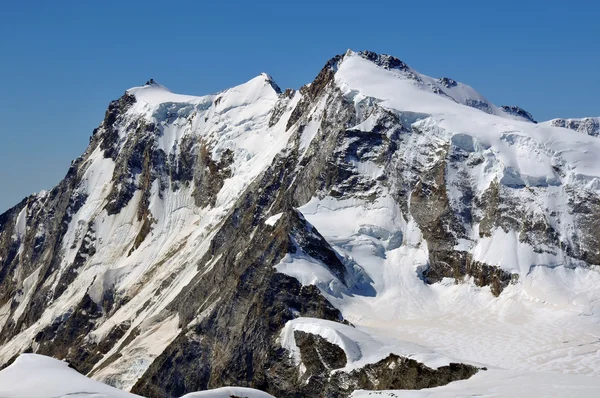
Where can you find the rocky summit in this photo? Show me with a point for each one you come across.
(377, 229)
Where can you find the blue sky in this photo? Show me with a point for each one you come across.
(63, 61)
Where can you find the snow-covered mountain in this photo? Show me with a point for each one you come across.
(376, 229)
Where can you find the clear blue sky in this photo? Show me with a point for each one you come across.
(63, 61)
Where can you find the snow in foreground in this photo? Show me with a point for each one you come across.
(37, 376)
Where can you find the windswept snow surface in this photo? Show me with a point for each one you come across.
(37, 376)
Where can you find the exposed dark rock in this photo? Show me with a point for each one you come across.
(587, 126)
(384, 60)
(314, 90)
(490, 201)
(235, 341)
(458, 264)
(306, 238)
(110, 134)
(477, 104)
(86, 250)
(272, 83)
(518, 111)
(143, 214)
(447, 82)
(430, 207)
(281, 106)
(397, 373)
(64, 338)
(586, 209)
(318, 355)
(133, 159)
(210, 175)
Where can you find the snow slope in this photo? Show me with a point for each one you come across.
(36, 376)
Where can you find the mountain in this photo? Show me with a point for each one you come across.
(375, 229)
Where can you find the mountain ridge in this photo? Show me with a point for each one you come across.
(396, 197)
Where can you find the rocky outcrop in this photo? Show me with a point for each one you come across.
(478, 104)
(396, 372)
(314, 90)
(384, 60)
(588, 125)
(518, 111)
(447, 82)
(108, 132)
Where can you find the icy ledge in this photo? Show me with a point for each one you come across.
(361, 347)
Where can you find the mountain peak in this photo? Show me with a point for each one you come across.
(268, 79)
(155, 93)
(377, 72)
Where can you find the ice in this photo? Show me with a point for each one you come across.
(504, 249)
(311, 272)
(544, 323)
(273, 219)
(21, 223)
(156, 335)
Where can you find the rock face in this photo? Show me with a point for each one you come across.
(182, 241)
(588, 125)
(518, 111)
